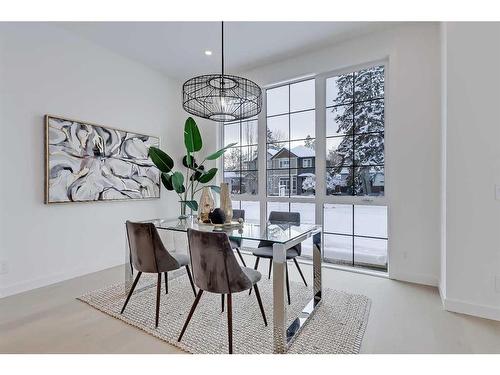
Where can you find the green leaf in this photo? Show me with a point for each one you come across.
(192, 205)
(192, 164)
(177, 182)
(167, 181)
(208, 176)
(192, 137)
(161, 159)
(215, 188)
(219, 153)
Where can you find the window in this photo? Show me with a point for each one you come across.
(307, 163)
(355, 230)
(240, 162)
(355, 133)
(355, 235)
(290, 134)
(284, 163)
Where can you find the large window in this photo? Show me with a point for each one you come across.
(290, 139)
(355, 133)
(349, 200)
(240, 161)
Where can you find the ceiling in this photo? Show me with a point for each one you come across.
(177, 48)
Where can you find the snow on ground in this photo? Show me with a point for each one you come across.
(368, 221)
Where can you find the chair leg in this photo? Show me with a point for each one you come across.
(158, 294)
(230, 323)
(166, 283)
(300, 271)
(222, 302)
(195, 303)
(242, 260)
(131, 291)
(270, 268)
(254, 267)
(191, 280)
(287, 282)
(257, 294)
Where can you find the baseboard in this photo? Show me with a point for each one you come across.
(415, 278)
(482, 311)
(41, 282)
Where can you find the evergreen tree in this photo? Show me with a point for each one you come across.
(359, 117)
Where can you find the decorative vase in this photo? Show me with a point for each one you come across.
(207, 204)
(217, 216)
(225, 201)
(183, 215)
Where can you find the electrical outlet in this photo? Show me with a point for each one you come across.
(4, 267)
(497, 283)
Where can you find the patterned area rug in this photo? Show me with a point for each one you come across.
(337, 327)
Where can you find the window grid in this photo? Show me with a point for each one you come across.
(352, 167)
(239, 148)
(321, 198)
(293, 180)
(353, 237)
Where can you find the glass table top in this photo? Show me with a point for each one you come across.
(276, 232)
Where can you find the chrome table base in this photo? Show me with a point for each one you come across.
(284, 337)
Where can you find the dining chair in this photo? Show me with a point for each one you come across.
(265, 248)
(149, 255)
(236, 244)
(216, 270)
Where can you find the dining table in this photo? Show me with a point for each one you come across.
(283, 236)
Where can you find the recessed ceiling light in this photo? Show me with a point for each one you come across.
(208, 52)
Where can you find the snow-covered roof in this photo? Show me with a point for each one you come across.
(298, 151)
(303, 151)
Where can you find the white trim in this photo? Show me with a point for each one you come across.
(462, 307)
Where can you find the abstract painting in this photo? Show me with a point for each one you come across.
(89, 162)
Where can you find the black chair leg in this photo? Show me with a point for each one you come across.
(191, 280)
(166, 283)
(131, 291)
(257, 294)
(230, 323)
(195, 303)
(287, 282)
(270, 268)
(241, 257)
(158, 294)
(254, 267)
(222, 302)
(300, 271)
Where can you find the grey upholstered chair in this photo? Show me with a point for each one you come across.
(149, 255)
(265, 248)
(216, 270)
(236, 244)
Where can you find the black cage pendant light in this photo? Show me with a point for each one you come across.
(221, 97)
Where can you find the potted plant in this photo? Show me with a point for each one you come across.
(187, 184)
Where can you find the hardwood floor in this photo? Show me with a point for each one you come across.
(405, 318)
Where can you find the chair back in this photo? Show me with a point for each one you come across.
(277, 217)
(288, 217)
(238, 214)
(215, 268)
(147, 252)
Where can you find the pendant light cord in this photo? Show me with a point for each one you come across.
(222, 33)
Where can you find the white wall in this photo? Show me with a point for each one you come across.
(472, 252)
(412, 135)
(44, 69)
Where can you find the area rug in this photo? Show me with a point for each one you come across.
(337, 327)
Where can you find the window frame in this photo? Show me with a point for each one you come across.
(320, 198)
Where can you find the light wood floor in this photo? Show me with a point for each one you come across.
(405, 318)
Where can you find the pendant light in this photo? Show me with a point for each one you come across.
(221, 97)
